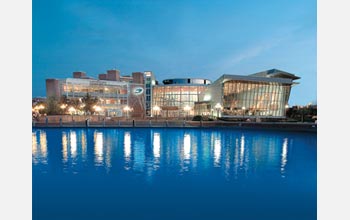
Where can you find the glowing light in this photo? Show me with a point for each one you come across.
(97, 108)
(156, 145)
(207, 97)
(71, 110)
(187, 108)
(156, 108)
(218, 106)
(126, 108)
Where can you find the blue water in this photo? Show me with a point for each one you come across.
(141, 173)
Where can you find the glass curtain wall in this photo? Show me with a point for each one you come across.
(246, 98)
(173, 99)
(112, 98)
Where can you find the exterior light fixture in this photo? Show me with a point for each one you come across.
(187, 109)
(156, 109)
(127, 109)
(243, 112)
(218, 108)
(71, 110)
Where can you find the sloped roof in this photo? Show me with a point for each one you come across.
(275, 73)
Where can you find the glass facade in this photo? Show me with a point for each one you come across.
(112, 96)
(263, 94)
(172, 99)
(247, 98)
(149, 83)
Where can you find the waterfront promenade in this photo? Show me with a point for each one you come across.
(80, 122)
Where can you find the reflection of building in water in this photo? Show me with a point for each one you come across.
(184, 152)
(187, 146)
(83, 145)
(34, 147)
(127, 146)
(217, 152)
(139, 155)
(156, 145)
(236, 158)
(72, 148)
(284, 156)
(73, 144)
(98, 148)
(39, 151)
(241, 156)
(64, 147)
(241, 152)
(216, 147)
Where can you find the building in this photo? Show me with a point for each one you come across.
(150, 81)
(263, 94)
(117, 95)
(176, 97)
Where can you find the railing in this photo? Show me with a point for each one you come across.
(101, 121)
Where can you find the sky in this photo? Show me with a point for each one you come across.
(175, 39)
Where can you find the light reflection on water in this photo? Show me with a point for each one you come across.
(187, 147)
(237, 154)
(284, 156)
(98, 148)
(39, 147)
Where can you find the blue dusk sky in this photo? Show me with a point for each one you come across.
(181, 38)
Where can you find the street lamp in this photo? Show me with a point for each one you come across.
(243, 110)
(71, 110)
(97, 109)
(156, 109)
(285, 109)
(127, 109)
(63, 107)
(218, 107)
(187, 109)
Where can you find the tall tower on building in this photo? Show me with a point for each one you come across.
(150, 81)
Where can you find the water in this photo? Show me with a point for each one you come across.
(141, 173)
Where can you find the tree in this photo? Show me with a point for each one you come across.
(89, 102)
(52, 106)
